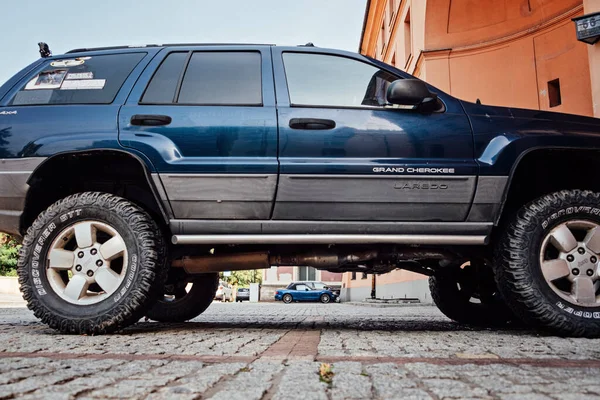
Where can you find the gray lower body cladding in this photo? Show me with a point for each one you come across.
(14, 174)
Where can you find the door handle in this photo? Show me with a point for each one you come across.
(150, 120)
(311, 124)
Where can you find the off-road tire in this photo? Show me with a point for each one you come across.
(493, 312)
(145, 275)
(192, 304)
(287, 298)
(517, 266)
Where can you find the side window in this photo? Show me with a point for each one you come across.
(81, 80)
(332, 81)
(163, 86)
(302, 288)
(211, 78)
(222, 78)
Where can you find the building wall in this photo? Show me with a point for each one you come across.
(593, 6)
(503, 52)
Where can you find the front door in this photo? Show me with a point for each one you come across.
(206, 119)
(346, 155)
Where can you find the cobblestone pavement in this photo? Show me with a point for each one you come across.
(275, 351)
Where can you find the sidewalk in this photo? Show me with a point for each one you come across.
(11, 300)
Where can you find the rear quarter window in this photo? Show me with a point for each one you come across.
(79, 80)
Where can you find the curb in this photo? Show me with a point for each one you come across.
(383, 305)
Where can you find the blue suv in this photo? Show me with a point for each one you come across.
(131, 172)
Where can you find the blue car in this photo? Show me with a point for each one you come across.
(302, 292)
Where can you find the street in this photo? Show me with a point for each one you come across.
(296, 351)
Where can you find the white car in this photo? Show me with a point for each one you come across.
(224, 292)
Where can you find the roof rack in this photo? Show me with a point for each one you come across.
(81, 50)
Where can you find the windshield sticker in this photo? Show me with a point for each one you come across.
(80, 75)
(69, 63)
(87, 84)
(47, 80)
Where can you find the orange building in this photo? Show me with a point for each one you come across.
(518, 53)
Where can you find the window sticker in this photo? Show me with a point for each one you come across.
(47, 80)
(69, 63)
(80, 75)
(84, 84)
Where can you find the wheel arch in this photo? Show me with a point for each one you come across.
(542, 170)
(116, 168)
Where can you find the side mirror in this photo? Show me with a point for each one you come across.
(410, 92)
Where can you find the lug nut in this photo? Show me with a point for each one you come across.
(590, 272)
(581, 250)
(570, 258)
(80, 254)
(575, 271)
(78, 268)
(593, 260)
(94, 252)
(90, 273)
(99, 263)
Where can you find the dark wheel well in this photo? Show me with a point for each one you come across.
(549, 170)
(113, 172)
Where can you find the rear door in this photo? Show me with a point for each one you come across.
(206, 118)
(346, 155)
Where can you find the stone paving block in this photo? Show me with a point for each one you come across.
(300, 381)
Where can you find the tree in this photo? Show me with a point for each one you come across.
(243, 278)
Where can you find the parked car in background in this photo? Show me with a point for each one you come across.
(318, 285)
(224, 292)
(243, 294)
(301, 291)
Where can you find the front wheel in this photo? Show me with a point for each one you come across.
(547, 263)
(92, 263)
(185, 299)
(325, 298)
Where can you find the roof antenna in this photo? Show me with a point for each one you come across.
(309, 44)
(44, 50)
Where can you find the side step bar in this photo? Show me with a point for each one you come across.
(331, 239)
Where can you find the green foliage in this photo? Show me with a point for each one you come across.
(9, 250)
(243, 278)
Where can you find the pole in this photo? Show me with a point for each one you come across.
(374, 287)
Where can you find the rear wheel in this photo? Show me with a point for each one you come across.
(467, 294)
(547, 263)
(92, 263)
(185, 299)
(287, 298)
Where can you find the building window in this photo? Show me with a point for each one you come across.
(391, 11)
(382, 38)
(407, 38)
(353, 277)
(364, 275)
(307, 274)
(554, 93)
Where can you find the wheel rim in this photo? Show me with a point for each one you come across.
(569, 261)
(325, 298)
(87, 263)
(287, 298)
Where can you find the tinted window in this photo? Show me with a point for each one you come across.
(163, 85)
(222, 79)
(83, 80)
(316, 79)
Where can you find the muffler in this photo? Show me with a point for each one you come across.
(223, 262)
